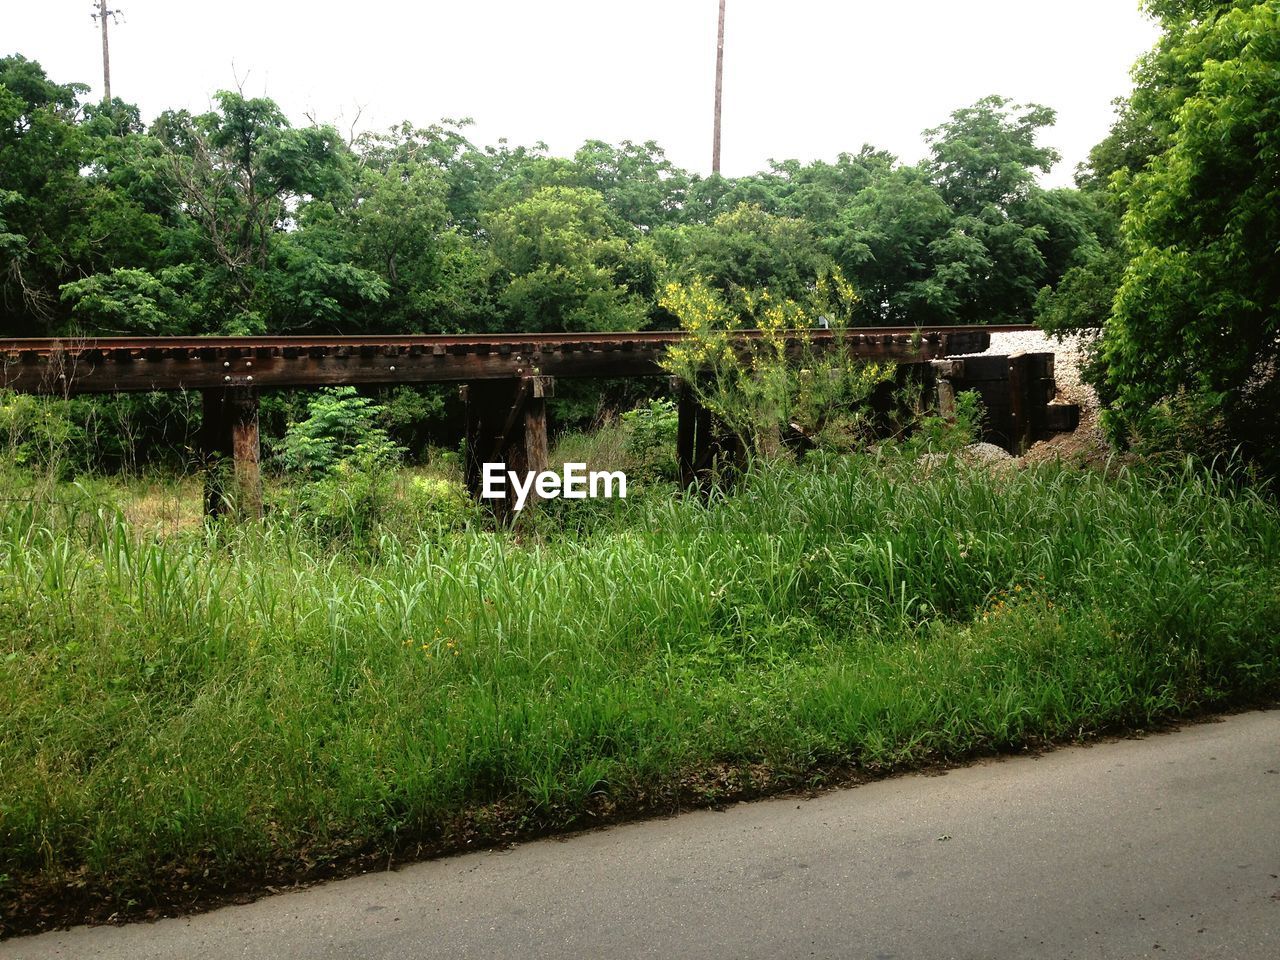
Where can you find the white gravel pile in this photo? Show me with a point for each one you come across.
(985, 453)
(975, 454)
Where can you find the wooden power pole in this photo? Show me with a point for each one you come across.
(715, 145)
(102, 16)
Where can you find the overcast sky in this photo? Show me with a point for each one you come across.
(803, 78)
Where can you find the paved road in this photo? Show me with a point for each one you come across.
(1164, 847)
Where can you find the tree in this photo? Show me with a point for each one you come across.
(889, 239)
(968, 236)
(986, 156)
(1084, 297)
(128, 300)
(395, 225)
(816, 192)
(71, 200)
(984, 161)
(1198, 309)
(747, 248)
(565, 263)
(637, 181)
(243, 176)
(41, 147)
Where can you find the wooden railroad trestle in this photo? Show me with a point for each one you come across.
(505, 382)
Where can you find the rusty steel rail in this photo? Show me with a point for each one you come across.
(72, 365)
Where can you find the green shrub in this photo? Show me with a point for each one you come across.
(39, 432)
(341, 427)
(350, 500)
(1186, 424)
(651, 440)
(776, 383)
(436, 500)
(933, 433)
(346, 462)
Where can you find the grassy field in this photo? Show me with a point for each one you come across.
(216, 709)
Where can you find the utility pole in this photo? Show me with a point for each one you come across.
(715, 146)
(102, 16)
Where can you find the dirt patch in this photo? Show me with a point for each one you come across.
(165, 509)
(1086, 446)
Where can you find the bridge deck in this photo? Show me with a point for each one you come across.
(114, 364)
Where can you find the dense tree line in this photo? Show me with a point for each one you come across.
(236, 221)
(1186, 291)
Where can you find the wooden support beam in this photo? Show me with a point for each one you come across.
(945, 375)
(533, 451)
(485, 403)
(513, 422)
(229, 430)
(946, 400)
(1016, 392)
(1028, 398)
(686, 427)
(246, 451)
(214, 446)
(507, 424)
(702, 445)
(536, 448)
(470, 474)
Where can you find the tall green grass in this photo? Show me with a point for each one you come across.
(230, 705)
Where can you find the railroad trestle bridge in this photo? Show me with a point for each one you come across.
(505, 380)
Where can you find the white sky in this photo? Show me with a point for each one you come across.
(804, 78)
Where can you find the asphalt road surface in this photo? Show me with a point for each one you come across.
(1162, 847)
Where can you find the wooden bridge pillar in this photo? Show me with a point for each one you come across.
(1022, 402)
(1017, 394)
(506, 423)
(945, 373)
(686, 431)
(230, 430)
(701, 442)
(693, 436)
(480, 401)
(536, 446)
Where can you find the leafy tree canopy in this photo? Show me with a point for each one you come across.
(1198, 307)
